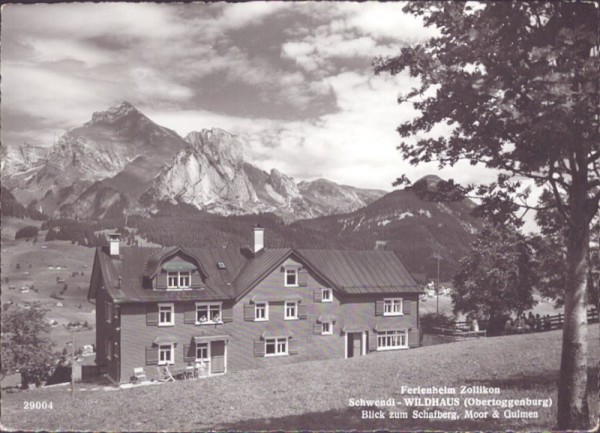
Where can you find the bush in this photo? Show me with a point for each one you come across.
(25, 346)
(27, 232)
(433, 320)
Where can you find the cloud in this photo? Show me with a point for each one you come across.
(240, 14)
(150, 83)
(293, 80)
(387, 21)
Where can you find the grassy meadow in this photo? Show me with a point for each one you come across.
(315, 395)
(40, 264)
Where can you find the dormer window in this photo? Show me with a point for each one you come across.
(178, 280)
(291, 277)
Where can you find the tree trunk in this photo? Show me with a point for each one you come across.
(573, 412)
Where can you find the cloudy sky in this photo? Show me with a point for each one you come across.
(293, 80)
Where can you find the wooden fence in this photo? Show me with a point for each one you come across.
(462, 329)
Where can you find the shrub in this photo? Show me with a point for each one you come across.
(27, 348)
(434, 320)
(26, 232)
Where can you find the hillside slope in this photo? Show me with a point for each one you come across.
(402, 222)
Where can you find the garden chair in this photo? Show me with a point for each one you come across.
(139, 375)
(167, 374)
(164, 375)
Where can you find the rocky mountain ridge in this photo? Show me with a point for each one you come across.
(122, 162)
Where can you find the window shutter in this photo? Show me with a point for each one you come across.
(249, 313)
(414, 338)
(152, 315)
(161, 280)
(372, 341)
(189, 353)
(302, 311)
(189, 313)
(406, 306)
(227, 314)
(259, 348)
(317, 329)
(318, 295)
(293, 348)
(379, 308)
(151, 355)
(302, 277)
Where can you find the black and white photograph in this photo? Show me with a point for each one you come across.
(295, 216)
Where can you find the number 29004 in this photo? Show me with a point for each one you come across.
(37, 405)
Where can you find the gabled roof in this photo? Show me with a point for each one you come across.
(266, 262)
(124, 276)
(351, 272)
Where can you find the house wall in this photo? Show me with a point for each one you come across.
(310, 346)
(358, 311)
(136, 335)
(105, 330)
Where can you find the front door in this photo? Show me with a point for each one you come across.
(217, 357)
(354, 344)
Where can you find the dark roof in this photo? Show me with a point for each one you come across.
(352, 272)
(356, 272)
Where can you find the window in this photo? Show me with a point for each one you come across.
(172, 280)
(178, 280)
(326, 295)
(291, 310)
(276, 346)
(208, 313)
(261, 311)
(201, 351)
(108, 312)
(184, 279)
(165, 354)
(391, 340)
(326, 328)
(291, 277)
(392, 307)
(166, 315)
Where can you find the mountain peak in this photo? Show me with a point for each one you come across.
(119, 111)
(430, 179)
(217, 144)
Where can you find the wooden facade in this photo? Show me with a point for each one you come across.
(239, 341)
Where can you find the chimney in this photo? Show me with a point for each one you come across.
(380, 245)
(259, 238)
(113, 239)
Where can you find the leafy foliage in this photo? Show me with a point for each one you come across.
(436, 320)
(26, 232)
(515, 87)
(496, 279)
(26, 347)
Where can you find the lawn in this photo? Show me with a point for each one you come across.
(315, 395)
